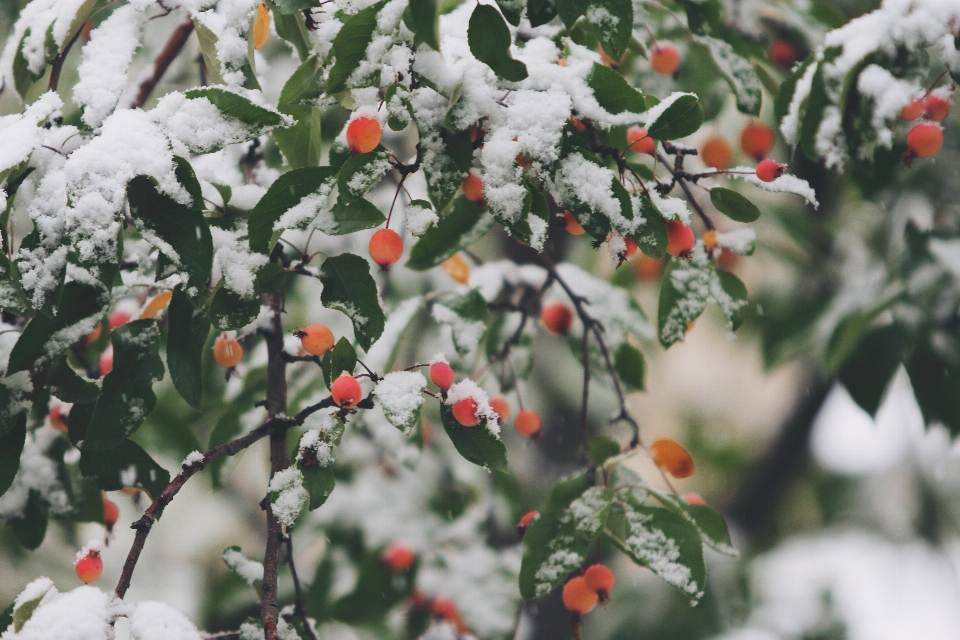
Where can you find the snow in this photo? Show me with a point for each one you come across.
(890, 94)
(160, 621)
(612, 306)
(94, 545)
(786, 183)
(192, 458)
(36, 589)
(381, 352)
(248, 569)
(22, 133)
(790, 125)
(196, 125)
(237, 263)
(466, 333)
(467, 388)
(38, 473)
(741, 241)
(312, 441)
(418, 219)
(38, 17)
(229, 22)
(400, 395)
(290, 496)
(659, 552)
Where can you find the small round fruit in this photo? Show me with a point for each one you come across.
(757, 140)
(525, 520)
(118, 319)
(111, 512)
(672, 458)
(770, 170)
(578, 597)
(442, 375)
(912, 110)
(936, 107)
(473, 188)
(557, 318)
(571, 225)
(709, 240)
(58, 419)
(501, 407)
(386, 247)
(465, 412)
(457, 268)
(315, 339)
(363, 134)
(89, 567)
(639, 141)
(158, 304)
(446, 610)
(694, 498)
(527, 423)
(261, 27)
(716, 152)
(925, 139)
(664, 59)
(647, 268)
(346, 391)
(782, 54)
(398, 557)
(599, 579)
(106, 362)
(227, 352)
(680, 238)
(94, 335)
(631, 248)
(576, 123)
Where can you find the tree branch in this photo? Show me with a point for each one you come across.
(299, 607)
(163, 61)
(57, 65)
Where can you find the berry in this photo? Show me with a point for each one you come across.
(600, 580)
(346, 391)
(782, 54)
(912, 110)
(524, 160)
(363, 134)
(527, 423)
(89, 567)
(118, 319)
(94, 335)
(557, 318)
(577, 123)
(727, 259)
(111, 512)
(525, 521)
(647, 268)
(607, 60)
(465, 412)
(578, 597)
(709, 240)
(446, 610)
(315, 339)
(501, 407)
(473, 133)
(693, 498)
(473, 188)
(386, 247)
(664, 59)
(679, 238)
(457, 268)
(770, 170)
(261, 28)
(130, 491)
(398, 557)
(925, 139)
(639, 141)
(106, 362)
(632, 248)
(158, 304)
(716, 152)
(672, 458)
(757, 140)
(936, 107)
(58, 419)
(571, 225)
(442, 375)
(227, 352)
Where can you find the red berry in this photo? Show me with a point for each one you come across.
(118, 319)
(386, 247)
(693, 498)
(227, 352)
(58, 419)
(442, 375)
(94, 335)
(600, 579)
(465, 412)
(89, 567)
(501, 407)
(557, 318)
(757, 140)
(527, 423)
(639, 141)
(447, 610)
(106, 362)
(680, 238)
(647, 268)
(716, 152)
(111, 512)
(571, 225)
(664, 59)
(363, 134)
(936, 107)
(578, 597)
(525, 520)
(632, 247)
(925, 139)
(782, 54)
(912, 110)
(346, 391)
(398, 557)
(770, 170)
(672, 458)
(315, 339)
(473, 188)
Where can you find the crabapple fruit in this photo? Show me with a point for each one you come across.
(680, 238)
(639, 141)
(58, 419)
(936, 107)
(386, 247)
(647, 268)
(571, 225)
(501, 407)
(473, 188)
(316, 339)
(527, 423)
(118, 319)
(465, 412)
(111, 512)
(442, 375)
(757, 140)
(525, 521)
(398, 557)
(578, 597)
(912, 110)
(346, 391)
(664, 59)
(716, 152)
(925, 139)
(672, 458)
(227, 352)
(363, 134)
(770, 170)
(782, 54)
(599, 579)
(557, 318)
(89, 567)
(694, 498)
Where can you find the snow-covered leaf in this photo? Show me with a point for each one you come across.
(400, 396)
(676, 117)
(350, 46)
(476, 444)
(360, 173)
(349, 287)
(229, 311)
(737, 71)
(423, 21)
(489, 39)
(467, 317)
(651, 237)
(713, 528)
(462, 226)
(612, 92)
(703, 16)
(303, 191)
(125, 465)
(612, 21)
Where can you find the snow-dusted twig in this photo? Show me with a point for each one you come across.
(177, 39)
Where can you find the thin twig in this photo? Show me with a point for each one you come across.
(163, 61)
(708, 223)
(299, 607)
(57, 65)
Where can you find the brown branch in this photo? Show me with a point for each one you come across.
(177, 39)
(584, 418)
(299, 607)
(57, 65)
(678, 177)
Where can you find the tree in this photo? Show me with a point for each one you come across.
(192, 213)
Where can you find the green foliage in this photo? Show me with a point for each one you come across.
(350, 46)
(490, 40)
(477, 444)
(349, 287)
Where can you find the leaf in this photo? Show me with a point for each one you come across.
(567, 490)
(467, 316)
(350, 46)
(305, 85)
(936, 384)
(343, 357)
(228, 311)
(126, 465)
(682, 116)
(208, 48)
(67, 385)
(23, 78)
(782, 103)
(286, 192)
(179, 232)
(737, 71)
(11, 446)
(188, 178)
(24, 610)
(703, 16)
(349, 287)
(377, 590)
(737, 293)
(612, 92)
(630, 367)
(464, 224)
(476, 444)
(651, 238)
(551, 551)
(186, 339)
(602, 449)
(612, 21)
(31, 528)
(397, 102)
(360, 173)
(490, 40)
(292, 28)
(815, 106)
(734, 205)
(711, 525)
(681, 300)
(540, 12)
(237, 107)
(358, 215)
(423, 22)
(300, 144)
(319, 482)
(867, 371)
(570, 11)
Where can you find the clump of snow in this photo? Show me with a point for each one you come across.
(39, 473)
(196, 125)
(400, 395)
(229, 23)
(418, 219)
(36, 589)
(314, 447)
(94, 545)
(787, 183)
(159, 621)
(238, 264)
(39, 18)
(741, 241)
(660, 553)
(466, 332)
(22, 132)
(249, 570)
(290, 496)
(467, 388)
(83, 613)
(192, 458)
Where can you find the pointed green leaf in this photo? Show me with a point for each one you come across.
(462, 226)
(229, 312)
(423, 22)
(126, 465)
(186, 339)
(350, 46)
(476, 444)
(682, 115)
(613, 92)
(68, 385)
(490, 41)
(630, 367)
(737, 71)
(349, 287)
(11, 446)
(734, 205)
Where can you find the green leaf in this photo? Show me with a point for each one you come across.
(490, 41)
(377, 590)
(208, 49)
(6, 617)
(736, 293)
(24, 610)
(551, 551)
(467, 317)
(630, 367)
(511, 10)
(703, 16)
(229, 312)
(126, 465)
(423, 22)
(67, 385)
(476, 444)
(23, 78)
(349, 287)
(815, 106)
(782, 103)
(736, 70)
(301, 143)
(285, 193)
(127, 394)
(570, 11)
(343, 357)
(711, 525)
(612, 21)
(350, 46)
(237, 107)
(568, 490)
(11, 446)
(464, 225)
(602, 449)
(540, 12)
(867, 371)
(681, 300)
(179, 232)
(188, 178)
(612, 92)
(356, 216)
(397, 102)
(652, 236)
(319, 482)
(31, 528)
(292, 28)
(936, 384)
(360, 173)
(734, 205)
(186, 339)
(306, 85)
(680, 118)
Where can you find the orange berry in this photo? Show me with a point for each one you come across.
(227, 352)
(672, 458)
(465, 412)
(386, 247)
(577, 124)
(647, 268)
(447, 610)
(770, 170)
(398, 557)
(757, 140)
(782, 54)
(680, 238)
(557, 318)
(578, 597)
(525, 520)
(457, 268)
(912, 110)
(716, 152)
(89, 567)
(501, 407)
(118, 319)
(664, 59)
(925, 139)
(363, 134)
(442, 375)
(710, 240)
(158, 304)
(58, 419)
(473, 188)
(346, 391)
(562, 62)
(527, 423)
(639, 141)
(600, 579)
(936, 108)
(571, 225)
(473, 133)
(524, 160)
(315, 339)
(632, 248)
(261, 27)
(94, 335)
(111, 512)
(693, 498)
